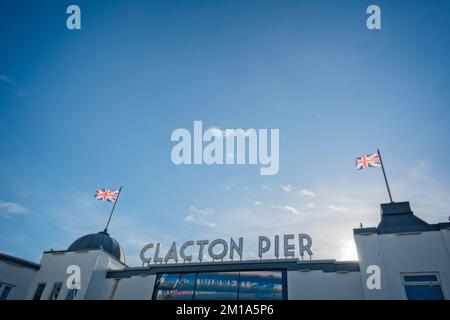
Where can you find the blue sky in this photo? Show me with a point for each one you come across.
(80, 110)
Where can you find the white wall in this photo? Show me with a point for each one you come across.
(19, 277)
(445, 233)
(404, 253)
(317, 284)
(93, 265)
(301, 285)
(370, 253)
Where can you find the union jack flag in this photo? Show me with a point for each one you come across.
(368, 161)
(106, 195)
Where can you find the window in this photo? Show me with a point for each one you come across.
(234, 285)
(175, 286)
(39, 290)
(422, 286)
(261, 285)
(4, 291)
(55, 291)
(71, 294)
(217, 286)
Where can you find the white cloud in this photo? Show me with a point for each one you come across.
(7, 80)
(200, 217)
(311, 205)
(287, 209)
(286, 188)
(257, 203)
(11, 208)
(307, 193)
(206, 211)
(266, 187)
(337, 208)
(196, 219)
(12, 84)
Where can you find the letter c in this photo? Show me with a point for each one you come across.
(183, 247)
(142, 255)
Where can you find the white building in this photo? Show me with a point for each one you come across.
(403, 258)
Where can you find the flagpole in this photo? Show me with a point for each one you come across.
(112, 210)
(384, 174)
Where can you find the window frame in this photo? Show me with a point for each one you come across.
(284, 281)
(195, 297)
(55, 284)
(44, 284)
(180, 275)
(3, 287)
(436, 282)
(72, 290)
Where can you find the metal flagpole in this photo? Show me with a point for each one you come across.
(384, 173)
(112, 210)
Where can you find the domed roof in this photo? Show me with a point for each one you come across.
(99, 240)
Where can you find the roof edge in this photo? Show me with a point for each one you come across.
(19, 261)
(246, 265)
(97, 249)
(404, 229)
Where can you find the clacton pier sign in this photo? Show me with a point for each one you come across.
(288, 245)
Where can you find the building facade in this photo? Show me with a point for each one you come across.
(402, 258)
